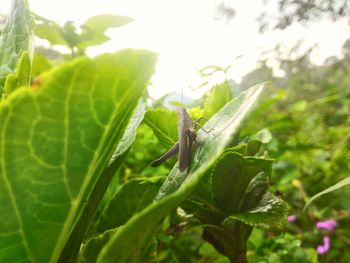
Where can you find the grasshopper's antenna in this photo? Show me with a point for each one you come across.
(182, 95)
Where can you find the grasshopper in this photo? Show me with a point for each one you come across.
(187, 136)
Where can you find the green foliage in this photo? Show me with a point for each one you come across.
(15, 44)
(232, 200)
(283, 248)
(132, 239)
(92, 31)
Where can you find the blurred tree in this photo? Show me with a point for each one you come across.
(291, 11)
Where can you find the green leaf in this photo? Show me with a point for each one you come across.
(132, 239)
(95, 27)
(130, 131)
(229, 182)
(217, 98)
(49, 30)
(256, 188)
(210, 70)
(271, 212)
(89, 251)
(263, 136)
(132, 197)
(15, 39)
(21, 77)
(105, 184)
(40, 65)
(338, 185)
(230, 178)
(55, 143)
(163, 122)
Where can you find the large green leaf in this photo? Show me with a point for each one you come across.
(132, 239)
(105, 184)
(15, 39)
(55, 142)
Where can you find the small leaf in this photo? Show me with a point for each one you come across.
(217, 98)
(338, 185)
(21, 77)
(101, 23)
(49, 30)
(163, 122)
(264, 136)
(269, 213)
(130, 131)
(93, 30)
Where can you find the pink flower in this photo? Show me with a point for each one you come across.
(328, 225)
(291, 218)
(322, 249)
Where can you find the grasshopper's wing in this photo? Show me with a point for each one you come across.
(184, 125)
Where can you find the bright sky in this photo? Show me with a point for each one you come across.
(187, 37)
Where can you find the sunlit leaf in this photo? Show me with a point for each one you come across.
(94, 29)
(49, 30)
(217, 98)
(55, 142)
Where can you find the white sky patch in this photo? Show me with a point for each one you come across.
(186, 36)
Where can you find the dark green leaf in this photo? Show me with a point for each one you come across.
(271, 212)
(229, 181)
(132, 197)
